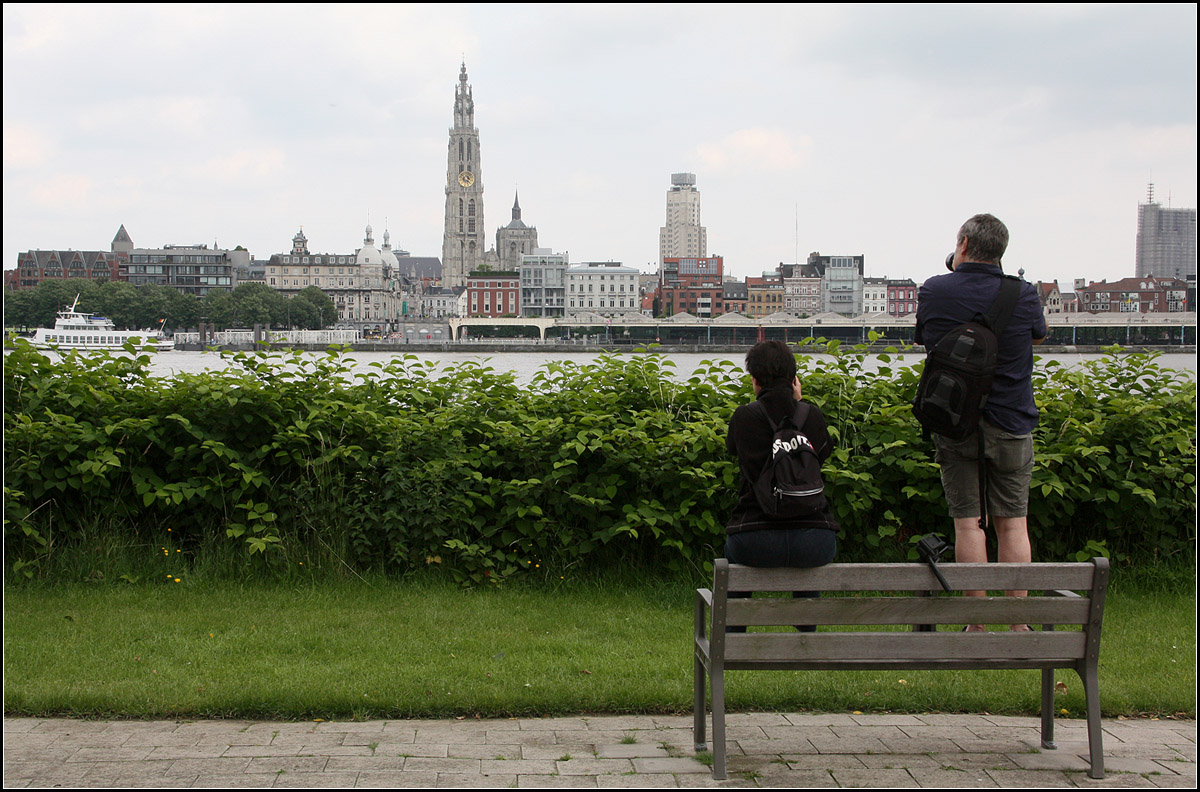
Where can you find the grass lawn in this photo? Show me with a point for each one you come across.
(387, 649)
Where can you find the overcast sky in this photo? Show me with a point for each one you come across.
(871, 130)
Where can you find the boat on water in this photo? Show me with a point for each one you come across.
(74, 329)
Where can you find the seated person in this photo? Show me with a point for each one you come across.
(752, 537)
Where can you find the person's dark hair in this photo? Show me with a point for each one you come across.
(987, 239)
(771, 363)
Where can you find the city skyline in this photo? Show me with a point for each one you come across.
(868, 131)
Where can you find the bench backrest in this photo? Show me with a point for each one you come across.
(1052, 600)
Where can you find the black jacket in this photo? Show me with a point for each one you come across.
(750, 438)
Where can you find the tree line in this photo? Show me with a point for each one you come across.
(141, 306)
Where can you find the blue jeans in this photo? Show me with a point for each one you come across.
(789, 547)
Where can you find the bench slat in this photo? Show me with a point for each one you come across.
(832, 648)
(913, 577)
(907, 610)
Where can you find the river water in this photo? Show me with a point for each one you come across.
(525, 364)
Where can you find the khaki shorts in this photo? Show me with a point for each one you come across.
(1009, 470)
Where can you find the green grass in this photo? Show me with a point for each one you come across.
(410, 648)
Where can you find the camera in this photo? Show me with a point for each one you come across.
(930, 549)
(950, 262)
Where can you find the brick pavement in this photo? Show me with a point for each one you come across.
(765, 750)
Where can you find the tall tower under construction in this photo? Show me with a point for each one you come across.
(1166, 240)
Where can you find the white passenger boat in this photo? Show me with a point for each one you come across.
(77, 330)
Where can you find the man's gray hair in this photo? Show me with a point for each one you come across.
(987, 239)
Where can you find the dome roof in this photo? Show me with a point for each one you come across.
(386, 255)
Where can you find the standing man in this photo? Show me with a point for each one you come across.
(1010, 415)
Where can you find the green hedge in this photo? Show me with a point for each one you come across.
(294, 459)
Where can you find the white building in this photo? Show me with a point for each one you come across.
(543, 276)
(358, 283)
(683, 236)
(875, 295)
(607, 288)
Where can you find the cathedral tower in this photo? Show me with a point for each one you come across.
(463, 232)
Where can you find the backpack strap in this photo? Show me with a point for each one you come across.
(798, 417)
(1005, 305)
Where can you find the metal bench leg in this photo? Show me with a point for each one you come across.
(1091, 689)
(717, 675)
(698, 708)
(1048, 709)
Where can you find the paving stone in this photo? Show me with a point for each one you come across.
(429, 750)
(638, 781)
(262, 750)
(972, 761)
(557, 751)
(442, 765)
(954, 779)
(795, 779)
(823, 762)
(1050, 760)
(110, 753)
(863, 750)
(554, 724)
(526, 737)
(854, 745)
(518, 766)
(827, 719)
(365, 764)
(669, 765)
(315, 780)
(488, 751)
(209, 766)
(1034, 779)
(473, 781)
(396, 778)
(287, 764)
(1172, 782)
(886, 779)
(588, 766)
(759, 747)
(239, 781)
(887, 720)
(629, 751)
(557, 782)
(20, 725)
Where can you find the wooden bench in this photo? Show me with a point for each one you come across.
(1052, 601)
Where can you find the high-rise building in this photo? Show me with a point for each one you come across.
(463, 232)
(683, 236)
(1166, 241)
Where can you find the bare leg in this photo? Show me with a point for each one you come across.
(1012, 547)
(970, 547)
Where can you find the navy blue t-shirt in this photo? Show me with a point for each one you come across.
(946, 301)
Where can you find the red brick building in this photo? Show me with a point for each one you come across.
(901, 297)
(493, 294)
(1134, 295)
(692, 285)
(35, 266)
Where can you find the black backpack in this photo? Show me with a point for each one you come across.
(959, 370)
(790, 485)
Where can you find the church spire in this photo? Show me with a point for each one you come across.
(516, 206)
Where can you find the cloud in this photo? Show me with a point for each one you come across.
(24, 146)
(759, 148)
(71, 192)
(243, 165)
